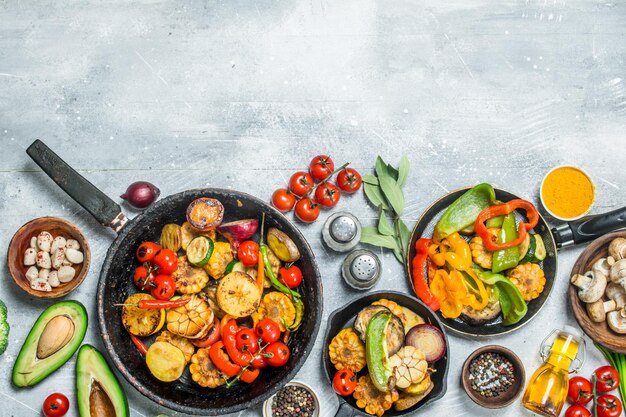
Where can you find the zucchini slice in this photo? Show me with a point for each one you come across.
(199, 251)
(525, 246)
(540, 251)
(231, 266)
(529, 255)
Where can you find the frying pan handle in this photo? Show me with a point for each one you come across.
(345, 410)
(98, 204)
(589, 228)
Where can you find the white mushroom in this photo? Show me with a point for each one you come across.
(53, 279)
(44, 241)
(74, 256)
(58, 242)
(43, 274)
(617, 320)
(40, 285)
(58, 256)
(617, 248)
(618, 272)
(603, 266)
(617, 299)
(29, 256)
(591, 286)
(43, 260)
(72, 244)
(33, 242)
(66, 274)
(32, 274)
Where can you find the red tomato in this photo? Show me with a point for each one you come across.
(248, 253)
(300, 183)
(164, 287)
(321, 167)
(580, 390)
(307, 210)
(577, 410)
(166, 260)
(607, 378)
(278, 354)
(283, 200)
(247, 340)
(146, 251)
(349, 180)
(344, 382)
(56, 405)
(292, 276)
(609, 406)
(268, 330)
(143, 278)
(327, 194)
(211, 337)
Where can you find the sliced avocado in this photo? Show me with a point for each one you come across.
(98, 392)
(54, 338)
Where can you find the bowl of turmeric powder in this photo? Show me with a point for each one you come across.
(567, 192)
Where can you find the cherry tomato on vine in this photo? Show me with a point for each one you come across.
(580, 390)
(56, 405)
(248, 253)
(247, 340)
(327, 194)
(283, 200)
(607, 378)
(166, 260)
(146, 251)
(278, 354)
(609, 406)
(268, 330)
(344, 382)
(321, 167)
(307, 210)
(349, 180)
(577, 410)
(211, 337)
(143, 278)
(300, 183)
(292, 276)
(164, 287)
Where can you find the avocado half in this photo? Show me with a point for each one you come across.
(53, 339)
(99, 393)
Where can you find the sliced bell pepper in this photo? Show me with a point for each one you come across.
(450, 291)
(506, 258)
(474, 282)
(463, 212)
(221, 360)
(513, 306)
(454, 250)
(420, 280)
(501, 210)
(241, 358)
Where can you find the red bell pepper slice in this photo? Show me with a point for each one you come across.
(241, 358)
(222, 362)
(420, 280)
(501, 210)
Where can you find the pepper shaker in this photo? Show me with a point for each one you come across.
(341, 232)
(361, 269)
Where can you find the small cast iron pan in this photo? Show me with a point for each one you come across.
(115, 285)
(567, 234)
(344, 317)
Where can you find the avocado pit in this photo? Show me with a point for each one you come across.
(100, 405)
(57, 333)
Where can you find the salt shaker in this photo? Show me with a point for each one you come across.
(341, 232)
(361, 269)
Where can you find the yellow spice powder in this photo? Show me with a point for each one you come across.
(567, 192)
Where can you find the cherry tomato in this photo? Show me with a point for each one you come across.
(248, 253)
(211, 337)
(300, 183)
(247, 340)
(607, 378)
(143, 278)
(278, 354)
(327, 194)
(56, 405)
(164, 287)
(580, 390)
(166, 260)
(307, 210)
(292, 276)
(577, 410)
(268, 330)
(609, 406)
(321, 167)
(283, 200)
(349, 180)
(344, 382)
(146, 251)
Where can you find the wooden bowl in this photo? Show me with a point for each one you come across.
(598, 332)
(508, 396)
(21, 241)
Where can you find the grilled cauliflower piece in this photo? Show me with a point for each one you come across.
(347, 351)
(529, 278)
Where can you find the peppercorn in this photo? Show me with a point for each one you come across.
(491, 374)
(293, 401)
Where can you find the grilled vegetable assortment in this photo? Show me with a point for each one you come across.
(216, 312)
(378, 365)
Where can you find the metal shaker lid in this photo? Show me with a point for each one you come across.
(361, 269)
(341, 232)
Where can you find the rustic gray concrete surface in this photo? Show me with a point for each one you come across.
(241, 93)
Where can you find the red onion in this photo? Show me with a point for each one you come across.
(141, 194)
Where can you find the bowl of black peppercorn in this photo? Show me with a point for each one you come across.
(296, 399)
(493, 376)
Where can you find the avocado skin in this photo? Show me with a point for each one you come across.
(91, 366)
(27, 371)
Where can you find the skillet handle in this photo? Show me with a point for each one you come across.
(345, 410)
(589, 228)
(98, 204)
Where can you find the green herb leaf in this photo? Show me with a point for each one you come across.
(393, 173)
(405, 234)
(371, 236)
(375, 196)
(381, 168)
(393, 193)
(370, 179)
(384, 227)
(403, 171)
(398, 256)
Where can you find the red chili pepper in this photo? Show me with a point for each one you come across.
(286, 336)
(153, 304)
(501, 210)
(139, 343)
(420, 280)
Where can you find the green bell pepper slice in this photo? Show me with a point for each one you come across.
(506, 258)
(514, 307)
(376, 353)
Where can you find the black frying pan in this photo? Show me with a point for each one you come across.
(344, 317)
(574, 232)
(115, 285)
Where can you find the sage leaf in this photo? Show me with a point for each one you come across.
(384, 227)
(370, 179)
(398, 256)
(375, 195)
(381, 168)
(403, 171)
(405, 235)
(371, 236)
(393, 173)
(393, 193)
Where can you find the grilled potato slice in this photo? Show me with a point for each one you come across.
(189, 279)
(180, 342)
(140, 321)
(171, 237)
(165, 361)
(238, 295)
(187, 233)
